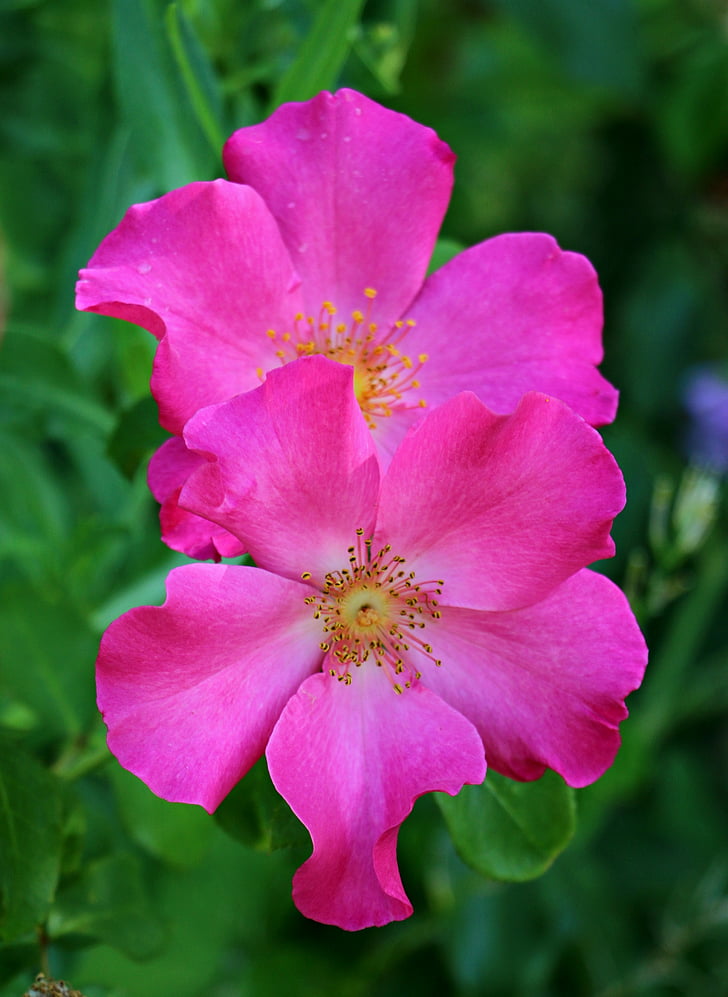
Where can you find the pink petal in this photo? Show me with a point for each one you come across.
(169, 469)
(545, 686)
(296, 471)
(502, 508)
(190, 690)
(204, 264)
(511, 315)
(359, 192)
(351, 760)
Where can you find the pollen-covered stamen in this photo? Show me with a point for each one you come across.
(386, 378)
(374, 610)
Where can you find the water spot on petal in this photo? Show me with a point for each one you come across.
(303, 247)
(347, 138)
(144, 267)
(303, 134)
(324, 134)
(291, 204)
(357, 110)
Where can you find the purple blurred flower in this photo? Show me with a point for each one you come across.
(705, 397)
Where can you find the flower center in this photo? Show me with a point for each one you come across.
(375, 610)
(384, 376)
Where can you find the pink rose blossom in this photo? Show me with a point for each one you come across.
(320, 244)
(403, 624)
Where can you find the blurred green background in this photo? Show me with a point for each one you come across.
(604, 123)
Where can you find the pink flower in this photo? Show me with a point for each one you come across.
(402, 626)
(321, 244)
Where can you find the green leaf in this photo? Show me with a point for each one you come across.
(511, 830)
(49, 665)
(109, 902)
(256, 815)
(596, 42)
(322, 54)
(30, 840)
(137, 434)
(444, 251)
(179, 833)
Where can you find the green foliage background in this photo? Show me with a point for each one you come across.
(604, 123)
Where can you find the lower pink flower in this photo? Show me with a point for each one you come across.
(400, 628)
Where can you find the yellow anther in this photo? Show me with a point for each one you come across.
(423, 358)
(411, 322)
(271, 333)
(372, 327)
(328, 307)
(305, 575)
(341, 327)
(397, 688)
(369, 292)
(422, 403)
(407, 362)
(286, 337)
(357, 316)
(280, 354)
(298, 316)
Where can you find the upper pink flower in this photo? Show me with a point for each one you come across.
(321, 245)
(403, 625)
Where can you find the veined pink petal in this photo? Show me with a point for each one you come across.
(204, 264)
(511, 315)
(169, 469)
(545, 686)
(295, 470)
(502, 508)
(190, 690)
(359, 192)
(351, 760)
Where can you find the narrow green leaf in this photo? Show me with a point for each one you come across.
(197, 74)
(511, 830)
(30, 840)
(33, 506)
(322, 54)
(165, 134)
(36, 376)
